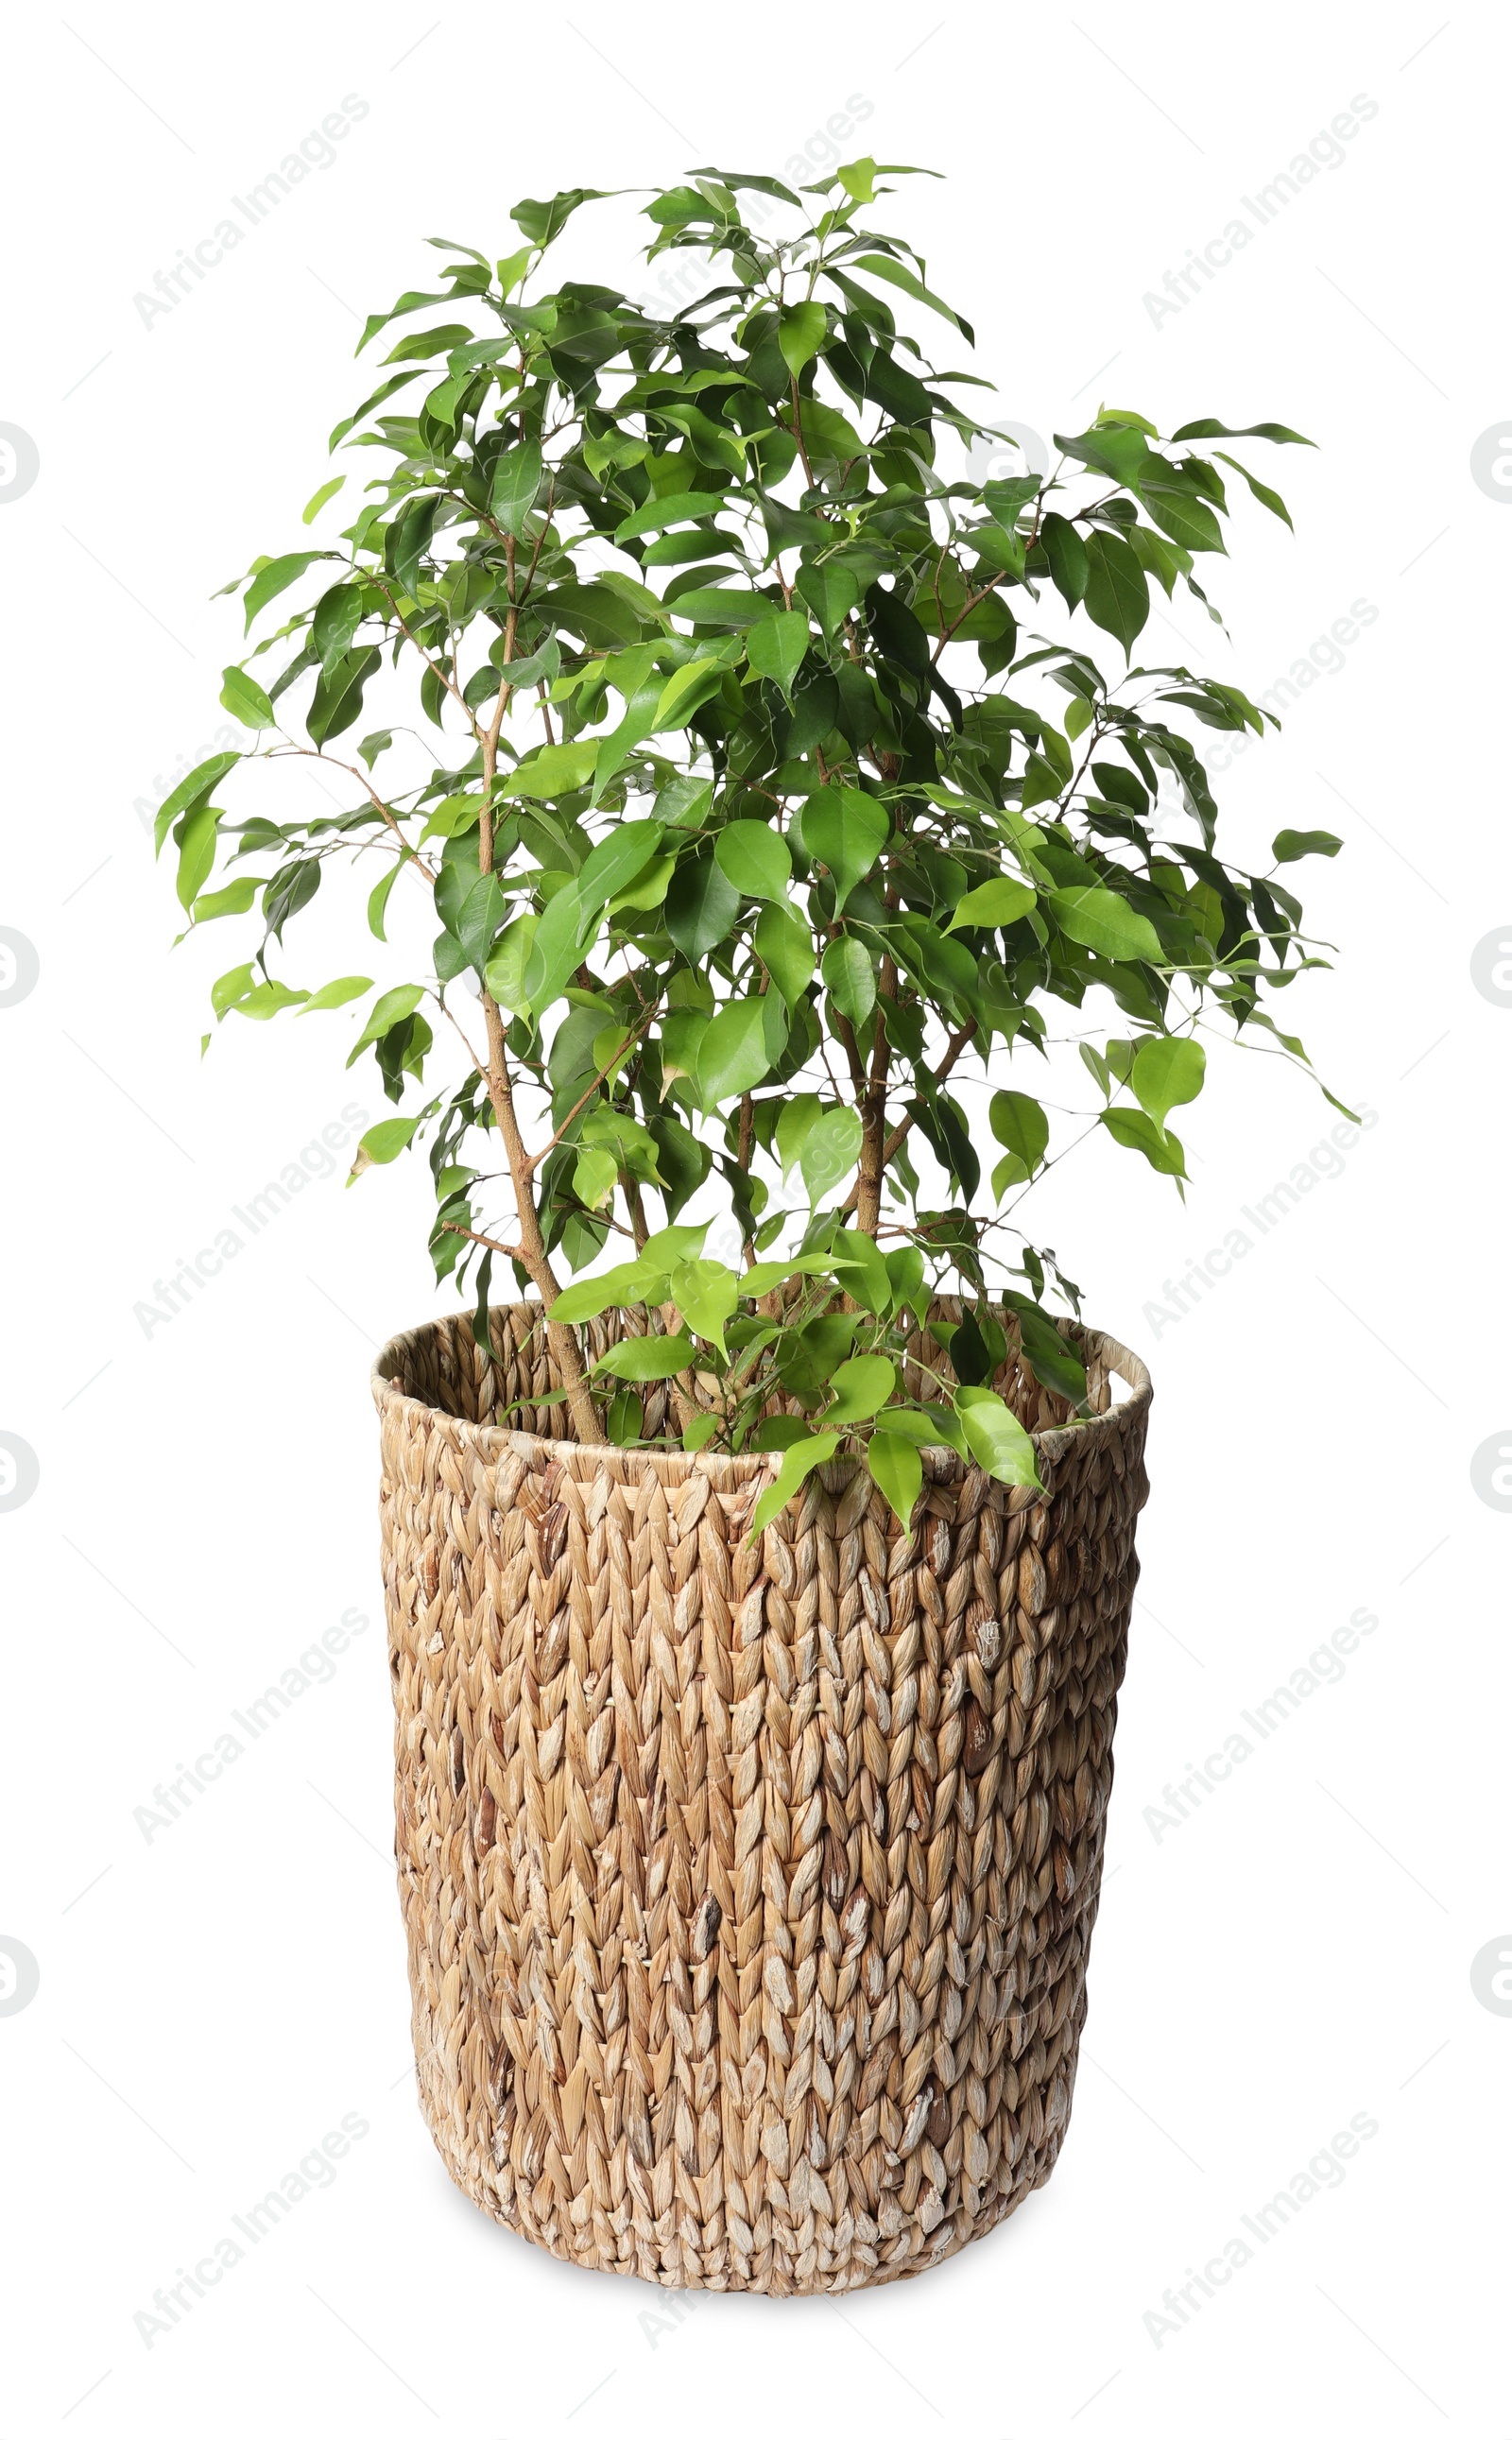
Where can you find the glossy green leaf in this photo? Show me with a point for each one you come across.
(775, 647)
(991, 904)
(732, 1055)
(831, 1149)
(382, 1144)
(648, 1359)
(995, 1438)
(861, 1385)
(799, 333)
(896, 1468)
(785, 947)
(797, 1465)
(1118, 592)
(701, 906)
(1139, 1132)
(1167, 1070)
(1289, 847)
(847, 829)
(1101, 920)
(276, 577)
(516, 481)
(337, 995)
(1022, 1129)
(755, 859)
(552, 771)
(848, 979)
(246, 701)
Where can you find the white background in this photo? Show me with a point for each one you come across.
(1296, 1951)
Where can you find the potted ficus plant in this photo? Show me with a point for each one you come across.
(736, 776)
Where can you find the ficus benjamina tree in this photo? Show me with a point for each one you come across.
(758, 780)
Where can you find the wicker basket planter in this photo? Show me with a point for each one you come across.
(747, 1891)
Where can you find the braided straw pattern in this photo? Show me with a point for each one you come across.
(747, 1891)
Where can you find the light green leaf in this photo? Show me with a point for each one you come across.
(785, 947)
(648, 1359)
(795, 1122)
(628, 1284)
(1102, 920)
(616, 862)
(774, 648)
(756, 858)
(672, 509)
(516, 481)
(276, 577)
(995, 1438)
(732, 1055)
(1023, 1130)
(315, 505)
(196, 855)
(797, 1465)
(553, 770)
(847, 829)
(885, 268)
(1138, 1133)
(799, 333)
(831, 1150)
(861, 1385)
(1289, 847)
(705, 1293)
(246, 701)
(594, 1176)
(993, 902)
(686, 689)
(235, 898)
(897, 1469)
(197, 782)
(1167, 1071)
(390, 1009)
(556, 951)
(505, 972)
(381, 1144)
(848, 979)
(337, 993)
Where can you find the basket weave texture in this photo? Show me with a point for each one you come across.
(747, 1891)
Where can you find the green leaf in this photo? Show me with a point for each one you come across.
(706, 1294)
(337, 993)
(995, 1438)
(378, 900)
(235, 898)
(785, 947)
(338, 698)
(795, 1119)
(648, 1359)
(382, 1144)
(1262, 492)
(861, 1385)
(555, 953)
(1101, 920)
(594, 1176)
(992, 903)
(831, 1149)
(1118, 592)
(847, 829)
(1178, 509)
(617, 861)
(628, 1284)
(701, 906)
(799, 333)
(1289, 847)
(504, 974)
(848, 979)
(191, 790)
(1138, 1133)
(246, 701)
(196, 855)
(272, 580)
(1167, 1070)
(315, 505)
(756, 860)
(885, 268)
(829, 590)
(1066, 554)
(552, 770)
(1207, 429)
(516, 481)
(775, 647)
(686, 689)
(670, 508)
(797, 1465)
(626, 1418)
(390, 1009)
(1023, 1130)
(542, 222)
(1116, 449)
(733, 1054)
(897, 1469)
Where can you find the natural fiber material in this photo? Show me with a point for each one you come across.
(747, 1891)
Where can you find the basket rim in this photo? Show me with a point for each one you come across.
(725, 1470)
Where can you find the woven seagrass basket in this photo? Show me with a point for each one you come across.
(747, 1891)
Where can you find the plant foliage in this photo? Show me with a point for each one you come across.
(763, 780)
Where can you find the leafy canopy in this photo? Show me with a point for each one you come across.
(761, 777)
